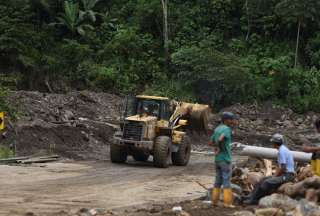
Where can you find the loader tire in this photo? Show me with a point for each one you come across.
(182, 156)
(140, 156)
(162, 151)
(117, 154)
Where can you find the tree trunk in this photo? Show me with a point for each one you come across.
(47, 84)
(248, 21)
(297, 45)
(165, 28)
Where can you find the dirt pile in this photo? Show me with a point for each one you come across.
(258, 122)
(77, 124)
(80, 123)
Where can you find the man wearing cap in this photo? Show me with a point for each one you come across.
(221, 140)
(284, 172)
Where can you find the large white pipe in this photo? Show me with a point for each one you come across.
(267, 153)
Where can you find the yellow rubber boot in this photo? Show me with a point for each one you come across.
(314, 166)
(227, 198)
(317, 167)
(215, 195)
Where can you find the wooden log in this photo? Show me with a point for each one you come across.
(12, 160)
(268, 167)
(300, 188)
(39, 160)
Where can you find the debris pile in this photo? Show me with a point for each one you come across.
(76, 125)
(250, 172)
(296, 198)
(258, 122)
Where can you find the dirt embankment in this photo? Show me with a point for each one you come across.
(258, 122)
(76, 125)
(81, 124)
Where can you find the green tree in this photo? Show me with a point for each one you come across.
(300, 13)
(73, 19)
(88, 9)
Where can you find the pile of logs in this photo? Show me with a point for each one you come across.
(308, 188)
(249, 173)
(306, 185)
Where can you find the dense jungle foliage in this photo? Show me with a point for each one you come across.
(214, 51)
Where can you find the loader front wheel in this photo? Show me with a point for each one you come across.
(117, 154)
(162, 151)
(182, 156)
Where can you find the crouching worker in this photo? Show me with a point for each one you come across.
(284, 172)
(221, 140)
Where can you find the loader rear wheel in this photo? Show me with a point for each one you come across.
(162, 151)
(117, 154)
(182, 156)
(140, 156)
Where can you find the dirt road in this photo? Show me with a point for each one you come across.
(66, 187)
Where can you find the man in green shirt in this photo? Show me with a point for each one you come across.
(221, 140)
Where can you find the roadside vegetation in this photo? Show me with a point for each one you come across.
(215, 51)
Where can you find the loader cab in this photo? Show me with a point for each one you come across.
(153, 106)
(146, 105)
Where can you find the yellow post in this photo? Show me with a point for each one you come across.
(1, 120)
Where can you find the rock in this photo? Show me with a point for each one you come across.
(177, 209)
(243, 213)
(269, 211)
(184, 213)
(67, 115)
(84, 212)
(283, 187)
(280, 123)
(278, 201)
(304, 173)
(258, 122)
(288, 124)
(302, 127)
(305, 208)
(299, 120)
(312, 195)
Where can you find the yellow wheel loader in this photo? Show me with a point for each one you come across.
(157, 126)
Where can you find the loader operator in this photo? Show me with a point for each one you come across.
(315, 150)
(284, 172)
(221, 140)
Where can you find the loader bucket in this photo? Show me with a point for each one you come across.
(196, 114)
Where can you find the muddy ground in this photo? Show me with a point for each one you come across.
(62, 188)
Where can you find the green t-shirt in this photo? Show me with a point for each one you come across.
(225, 146)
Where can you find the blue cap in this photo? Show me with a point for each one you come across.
(228, 115)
